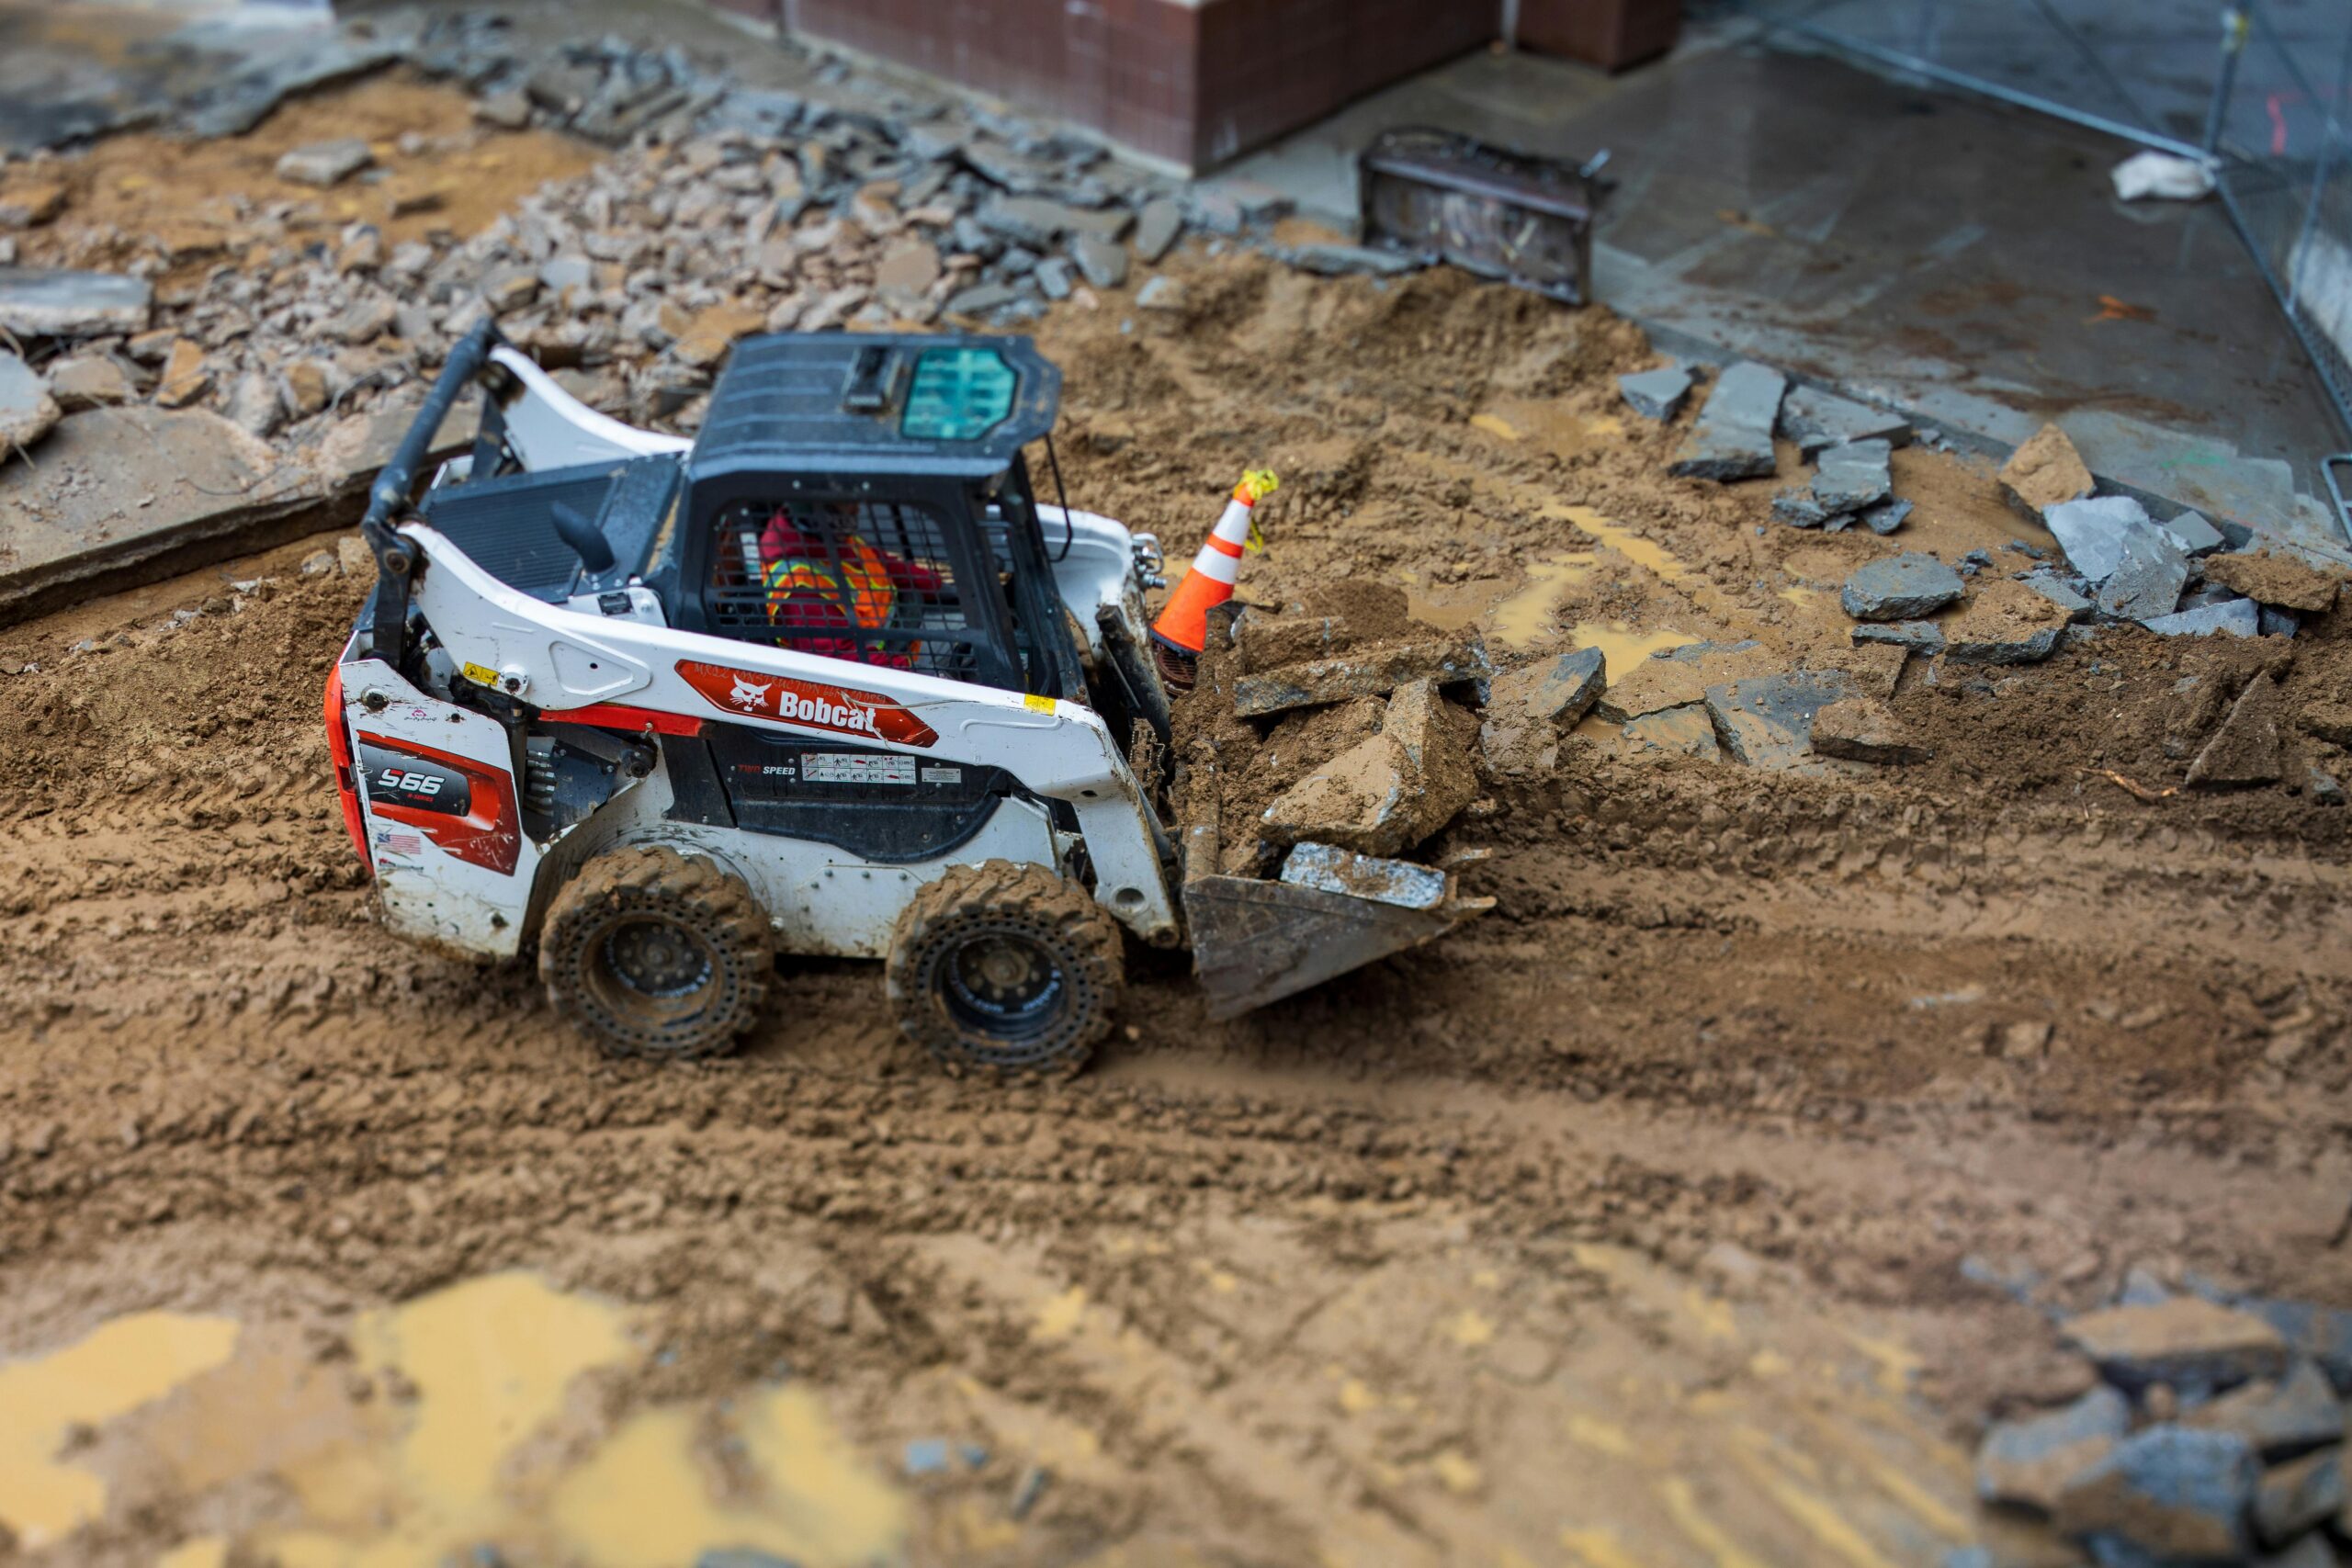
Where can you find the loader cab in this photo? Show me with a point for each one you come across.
(865, 497)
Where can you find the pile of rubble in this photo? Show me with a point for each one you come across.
(2182, 577)
(2213, 1431)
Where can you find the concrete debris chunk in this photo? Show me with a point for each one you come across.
(1369, 673)
(2231, 617)
(51, 302)
(1335, 870)
(1528, 709)
(1853, 476)
(2029, 1463)
(2298, 1494)
(2273, 577)
(1158, 227)
(2149, 574)
(1903, 588)
(90, 381)
(907, 270)
(186, 375)
(1103, 263)
(508, 111)
(2249, 749)
(1801, 509)
(2326, 789)
(2321, 1333)
(2193, 534)
(1864, 729)
(1389, 792)
(324, 163)
(27, 411)
(1268, 642)
(29, 204)
(1350, 261)
(1731, 438)
(2045, 472)
(2279, 1420)
(2169, 1491)
(2059, 591)
(1655, 394)
(1766, 721)
(1677, 677)
(1915, 636)
(1817, 421)
(2004, 622)
(1886, 516)
(982, 298)
(2191, 1345)
(2093, 532)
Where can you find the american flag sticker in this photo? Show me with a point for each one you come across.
(401, 843)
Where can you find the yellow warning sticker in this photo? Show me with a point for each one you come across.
(479, 674)
(1038, 705)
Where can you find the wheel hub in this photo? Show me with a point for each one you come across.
(655, 958)
(1000, 978)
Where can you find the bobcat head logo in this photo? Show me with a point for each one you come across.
(751, 693)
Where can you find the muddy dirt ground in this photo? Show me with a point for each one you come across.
(1626, 1225)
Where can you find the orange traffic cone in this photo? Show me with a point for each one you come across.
(1182, 628)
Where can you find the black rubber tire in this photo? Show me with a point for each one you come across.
(1072, 945)
(704, 919)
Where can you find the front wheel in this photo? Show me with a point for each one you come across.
(1005, 969)
(655, 955)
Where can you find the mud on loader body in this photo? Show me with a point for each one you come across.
(829, 679)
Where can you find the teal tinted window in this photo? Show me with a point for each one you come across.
(957, 393)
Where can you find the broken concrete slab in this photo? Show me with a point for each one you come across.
(1389, 792)
(1853, 476)
(2169, 1491)
(2029, 1463)
(1350, 261)
(1370, 673)
(2296, 1495)
(2045, 472)
(2250, 747)
(2273, 577)
(2149, 574)
(1103, 263)
(1864, 729)
(1335, 870)
(1902, 588)
(324, 163)
(1675, 677)
(1528, 710)
(1885, 518)
(2092, 533)
(186, 375)
(2280, 1420)
(1264, 642)
(2321, 1333)
(118, 490)
(57, 302)
(27, 411)
(1802, 509)
(1655, 394)
(1766, 721)
(2004, 622)
(1913, 637)
(2231, 617)
(2059, 591)
(90, 381)
(1731, 438)
(1670, 733)
(2192, 1345)
(2193, 534)
(1158, 226)
(1817, 421)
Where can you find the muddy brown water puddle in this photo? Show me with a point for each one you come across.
(482, 1428)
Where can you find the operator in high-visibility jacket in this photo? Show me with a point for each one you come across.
(829, 580)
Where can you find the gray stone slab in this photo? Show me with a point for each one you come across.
(1655, 394)
(1158, 227)
(1766, 721)
(2149, 574)
(2029, 1462)
(1918, 636)
(27, 411)
(2321, 1333)
(1103, 262)
(1901, 589)
(2195, 535)
(325, 163)
(1801, 509)
(1853, 476)
(1334, 870)
(2234, 617)
(1732, 436)
(1350, 261)
(1885, 518)
(1817, 421)
(2169, 1491)
(1368, 674)
(2059, 591)
(46, 302)
(2281, 1419)
(2092, 531)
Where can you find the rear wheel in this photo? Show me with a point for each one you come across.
(652, 953)
(1007, 969)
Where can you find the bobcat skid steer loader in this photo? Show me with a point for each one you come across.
(828, 679)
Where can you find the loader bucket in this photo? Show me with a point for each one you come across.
(1255, 943)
